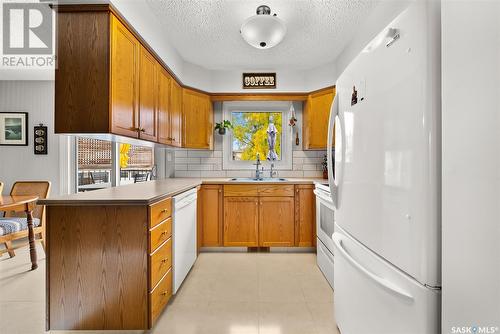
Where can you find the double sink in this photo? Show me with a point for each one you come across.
(262, 179)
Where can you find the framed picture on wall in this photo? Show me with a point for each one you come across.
(14, 128)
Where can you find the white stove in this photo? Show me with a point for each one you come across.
(324, 229)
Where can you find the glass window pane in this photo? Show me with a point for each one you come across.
(136, 163)
(94, 164)
(250, 134)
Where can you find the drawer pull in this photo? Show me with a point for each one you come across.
(163, 233)
(164, 260)
(164, 211)
(164, 293)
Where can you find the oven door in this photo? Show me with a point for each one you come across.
(325, 221)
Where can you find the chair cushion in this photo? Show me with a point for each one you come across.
(10, 225)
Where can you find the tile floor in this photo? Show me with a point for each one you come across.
(225, 293)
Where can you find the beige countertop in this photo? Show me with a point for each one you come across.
(150, 192)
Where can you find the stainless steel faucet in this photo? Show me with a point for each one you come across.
(258, 172)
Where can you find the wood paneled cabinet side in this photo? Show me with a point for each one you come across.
(197, 120)
(211, 215)
(315, 119)
(305, 216)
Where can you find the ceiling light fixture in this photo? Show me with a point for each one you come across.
(263, 31)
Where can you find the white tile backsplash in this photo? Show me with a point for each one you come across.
(310, 167)
(311, 173)
(219, 173)
(193, 163)
(181, 154)
(185, 173)
(200, 167)
(187, 160)
(200, 154)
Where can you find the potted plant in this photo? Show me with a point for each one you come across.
(222, 126)
(324, 164)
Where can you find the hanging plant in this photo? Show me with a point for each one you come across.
(222, 126)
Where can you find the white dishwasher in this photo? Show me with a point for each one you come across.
(184, 235)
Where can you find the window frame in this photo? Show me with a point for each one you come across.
(258, 106)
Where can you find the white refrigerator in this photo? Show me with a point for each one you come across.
(386, 187)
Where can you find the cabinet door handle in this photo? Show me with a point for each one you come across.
(142, 130)
(173, 139)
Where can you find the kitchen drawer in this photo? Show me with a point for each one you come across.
(276, 190)
(160, 262)
(240, 190)
(160, 211)
(159, 234)
(159, 297)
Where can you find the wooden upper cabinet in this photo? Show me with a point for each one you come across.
(276, 222)
(148, 91)
(315, 119)
(124, 80)
(163, 105)
(241, 221)
(197, 120)
(175, 114)
(211, 215)
(305, 216)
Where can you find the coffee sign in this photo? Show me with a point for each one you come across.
(259, 80)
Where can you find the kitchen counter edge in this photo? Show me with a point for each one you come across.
(151, 192)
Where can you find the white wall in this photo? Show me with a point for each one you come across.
(19, 162)
(148, 26)
(471, 164)
(381, 16)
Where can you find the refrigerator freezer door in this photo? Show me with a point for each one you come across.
(372, 296)
(389, 139)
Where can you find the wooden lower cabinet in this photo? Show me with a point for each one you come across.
(259, 215)
(210, 215)
(305, 215)
(241, 221)
(108, 266)
(276, 222)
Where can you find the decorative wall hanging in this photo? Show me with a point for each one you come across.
(259, 80)
(40, 141)
(14, 128)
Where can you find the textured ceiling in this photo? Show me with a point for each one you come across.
(206, 32)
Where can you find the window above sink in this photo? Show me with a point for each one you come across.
(251, 120)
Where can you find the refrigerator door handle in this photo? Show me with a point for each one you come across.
(337, 242)
(334, 111)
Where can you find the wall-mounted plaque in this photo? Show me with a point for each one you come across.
(259, 80)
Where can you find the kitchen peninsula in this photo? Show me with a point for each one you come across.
(109, 251)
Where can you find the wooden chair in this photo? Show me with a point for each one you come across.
(36, 188)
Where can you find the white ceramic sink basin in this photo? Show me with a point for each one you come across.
(264, 179)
